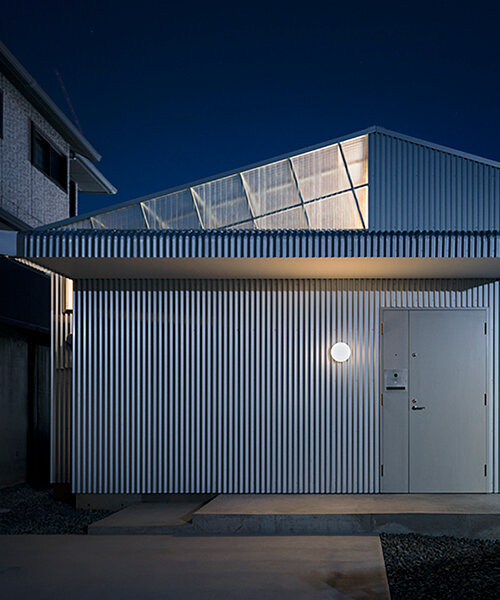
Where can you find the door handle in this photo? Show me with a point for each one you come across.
(417, 407)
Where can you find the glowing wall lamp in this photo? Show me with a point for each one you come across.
(340, 352)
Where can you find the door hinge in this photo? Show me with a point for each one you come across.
(381, 470)
(381, 329)
(486, 399)
(486, 329)
(381, 399)
(485, 470)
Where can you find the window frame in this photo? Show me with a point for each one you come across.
(51, 150)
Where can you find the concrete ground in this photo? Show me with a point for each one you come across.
(459, 515)
(147, 567)
(261, 504)
(147, 518)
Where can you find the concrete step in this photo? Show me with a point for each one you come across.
(148, 518)
(459, 515)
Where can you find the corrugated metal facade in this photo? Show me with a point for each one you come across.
(413, 186)
(258, 244)
(226, 386)
(61, 385)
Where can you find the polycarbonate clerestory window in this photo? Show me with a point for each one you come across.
(325, 188)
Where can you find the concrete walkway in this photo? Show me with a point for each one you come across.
(458, 515)
(461, 515)
(260, 504)
(153, 567)
(147, 518)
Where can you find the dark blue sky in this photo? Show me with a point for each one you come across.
(172, 92)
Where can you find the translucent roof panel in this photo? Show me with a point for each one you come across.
(337, 212)
(362, 198)
(129, 217)
(320, 173)
(272, 187)
(244, 225)
(292, 218)
(222, 202)
(325, 188)
(356, 156)
(172, 211)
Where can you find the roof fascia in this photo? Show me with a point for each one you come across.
(27, 85)
(439, 147)
(92, 171)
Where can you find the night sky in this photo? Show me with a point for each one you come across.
(171, 92)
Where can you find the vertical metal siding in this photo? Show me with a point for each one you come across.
(61, 385)
(227, 386)
(414, 187)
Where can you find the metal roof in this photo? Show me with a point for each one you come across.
(258, 244)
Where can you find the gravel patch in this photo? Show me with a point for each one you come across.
(441, 568)
(26, 510)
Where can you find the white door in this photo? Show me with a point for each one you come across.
(447, 411)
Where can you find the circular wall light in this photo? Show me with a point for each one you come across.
(340, 352)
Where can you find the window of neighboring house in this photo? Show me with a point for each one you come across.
(1, 114)
(73, 198)
(49, 160)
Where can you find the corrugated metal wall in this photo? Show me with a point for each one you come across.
(61, 385)
(415, 187)
(226, 386)
(258, 244)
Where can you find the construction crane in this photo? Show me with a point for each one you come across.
(68, 100)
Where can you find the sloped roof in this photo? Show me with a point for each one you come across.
(324, 187)
(347, 197)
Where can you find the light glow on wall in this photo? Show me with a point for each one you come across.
(68, 295)
(340, 352)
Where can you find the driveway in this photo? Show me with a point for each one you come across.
(146, 567)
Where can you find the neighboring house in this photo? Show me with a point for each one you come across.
(325, 322)
(44, 163)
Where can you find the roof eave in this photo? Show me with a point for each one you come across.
(82, 167)
(27, 85)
